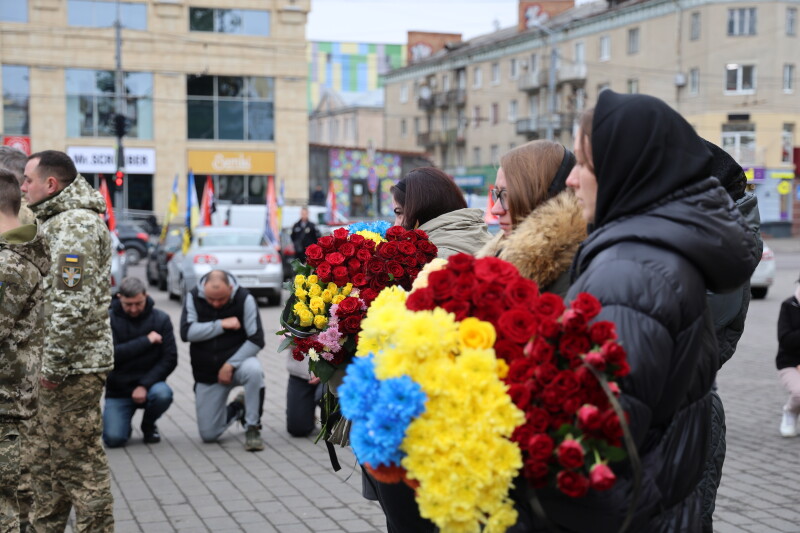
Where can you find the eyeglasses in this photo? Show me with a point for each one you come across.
(500, 195)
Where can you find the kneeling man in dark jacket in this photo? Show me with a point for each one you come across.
(221, 321)
(144, 355)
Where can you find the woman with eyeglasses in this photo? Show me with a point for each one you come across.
(430, 200)
(540, 220)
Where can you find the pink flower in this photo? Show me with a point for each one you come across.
(601, 477)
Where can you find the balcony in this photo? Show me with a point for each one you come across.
(440, 100)
(424, 139)
(571, 72)
(528, 126)
(425, 104)
(536, 127)
(532, 81)
(456, 136)
(457, 96)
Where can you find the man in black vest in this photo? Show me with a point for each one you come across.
(304, 234)
(220, 320)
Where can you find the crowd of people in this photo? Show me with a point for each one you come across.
(645, 215)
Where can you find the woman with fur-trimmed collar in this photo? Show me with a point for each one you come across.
(540, 220)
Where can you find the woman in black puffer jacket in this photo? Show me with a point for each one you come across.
(661, 233)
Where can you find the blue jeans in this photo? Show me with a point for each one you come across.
(118, 413)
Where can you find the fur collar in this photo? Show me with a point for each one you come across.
(542, 246)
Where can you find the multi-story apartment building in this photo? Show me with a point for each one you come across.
(348, 119)
(218, 87)
(728, 66)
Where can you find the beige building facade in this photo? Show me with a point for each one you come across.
(349, 120)
(215, 87)
(728, 67)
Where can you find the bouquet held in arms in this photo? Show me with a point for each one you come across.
(343, 275)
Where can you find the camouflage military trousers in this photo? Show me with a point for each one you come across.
(69, 466)
(9, 476)
(25, 487)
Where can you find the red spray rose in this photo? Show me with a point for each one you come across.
(572, 484)
(347, 249)
(597, 360)
(324, 272)
(573, 321)
(363, 255)
(601, 477)
(326, 243)
(314, 255)
(340, 235)
(570, 454)
(395, 269)
(589, 418)
(602, 331)
(587, 305)
(348, 306)
(421, 300)
(613, 352)
(517, 325)
(460, 308)
(540, 447)
(460, 262)
(549, 305)
(393, 233)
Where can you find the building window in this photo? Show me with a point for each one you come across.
(16, 93)
(477, 80)
(476, 156)
(495, 73)
(446, 82)
(239, 189)
(788, 78)
(694, 26)
(512, 110)
(16, 11)
(791, 21)
(787, 143)
(237, 21)
(231, 107)
(476, 115)
(104, 14)
(91, 103)
(740, 79)
(513, 68)
(605, 48)
(445, 121)
(633, 86)
(533, 105)
(494, 154)
(404, 93)
(633, 41)
(416, 125)
(403, 128)
(739, 140)
(742, 21)
(461, 77)
(495, 116)
(534, 63)
(580, 99)
(694, 81)
(460, 156)
(580, 53)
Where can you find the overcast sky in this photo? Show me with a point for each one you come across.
(387, 21)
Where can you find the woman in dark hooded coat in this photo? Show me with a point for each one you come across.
(661, 233)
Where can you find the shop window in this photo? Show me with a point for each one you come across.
(236, 21)
(98, 14)
(739, 140)
(238, 189)
(230, 107)
(91, 103)
(787, 143)
(16, 94)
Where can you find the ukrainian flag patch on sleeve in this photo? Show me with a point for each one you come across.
(70, 272)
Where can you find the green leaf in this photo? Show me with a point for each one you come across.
(323, 370)
(301, 268)
(566, 429)
(614, 454)
(285, 343)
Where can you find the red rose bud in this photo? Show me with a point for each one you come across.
(596, 359)
(612, 429)
(335, 258)
(549, 305)
(387, 250)
(570, 454)
(613, 352)
(535, 469)
(571, 405)
(601, 477)
(537, 419)
(614, 388)
(549, 328)
(540, 447)
(460, 262)
(622, 370)
(587, 305)
(520, 394)
(602, 331)
(589, 418)
(573, 321)
(340, 235)
(572, 484)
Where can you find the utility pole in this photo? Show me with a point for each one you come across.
(120, 121)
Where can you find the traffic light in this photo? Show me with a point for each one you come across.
(120, 125)
(118, 178)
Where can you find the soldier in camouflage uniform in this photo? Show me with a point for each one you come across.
(70, 464)
(14, 161)
(24, 260)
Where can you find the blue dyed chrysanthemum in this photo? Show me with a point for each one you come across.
(379, 227)
(359, 388)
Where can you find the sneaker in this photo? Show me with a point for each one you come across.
(236, 409)
(252, 439)
(151, 434)
(788, 424)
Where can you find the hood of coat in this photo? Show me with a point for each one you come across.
(27, 241)
(543, 245)
(643, 151)
(77, 195)
(462, 230)
(699, 222)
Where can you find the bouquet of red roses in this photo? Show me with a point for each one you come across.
(565, 383)
(343, 275)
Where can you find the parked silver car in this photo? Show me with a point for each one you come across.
(119, 263)
(241, 251)
(764, 274)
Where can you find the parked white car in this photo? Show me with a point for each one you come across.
(764, 274)
(119, 263)
(243, 252)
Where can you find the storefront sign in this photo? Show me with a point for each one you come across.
(216, 162)
(103, 159)
(784, 175)
(18, 142)
(755, 174)
(469, 181)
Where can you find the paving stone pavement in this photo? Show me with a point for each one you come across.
(185, 485)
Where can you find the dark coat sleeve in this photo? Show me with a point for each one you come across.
(168, 350)
(125, 351)
(788, 337)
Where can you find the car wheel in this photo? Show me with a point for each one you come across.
(133, 255)
(758, 293)
(151, 280)
(274, 299)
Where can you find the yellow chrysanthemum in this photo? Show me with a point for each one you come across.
(320, 322)
(301, 294)
(371, 236)
(306, 317)
(315, 290)
(338, 298)
(422, 278)
(299, 280)
(317, 305)
(475, 333)
(327, 296)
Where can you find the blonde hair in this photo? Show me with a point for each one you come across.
(529, 170)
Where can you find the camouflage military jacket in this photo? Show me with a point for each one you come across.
(24, 261)
(77, 290)
(26, 216)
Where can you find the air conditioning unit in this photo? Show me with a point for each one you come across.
(680, 79)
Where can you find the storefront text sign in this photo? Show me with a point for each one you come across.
(103, 159)
(217, 162)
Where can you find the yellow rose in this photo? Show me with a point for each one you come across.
(317, 305)
(315, 290)
(320, 321)
(474, 333)
(299, 280)
(347, 288)
(334, 288)
(306, 318)
(299, 306)
(326, 295)
(313, 279)
(338, 298)
(301, 294)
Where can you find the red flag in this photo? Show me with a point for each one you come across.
(208, 205)
(488, 217)
(108, 217)
(331, 203)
